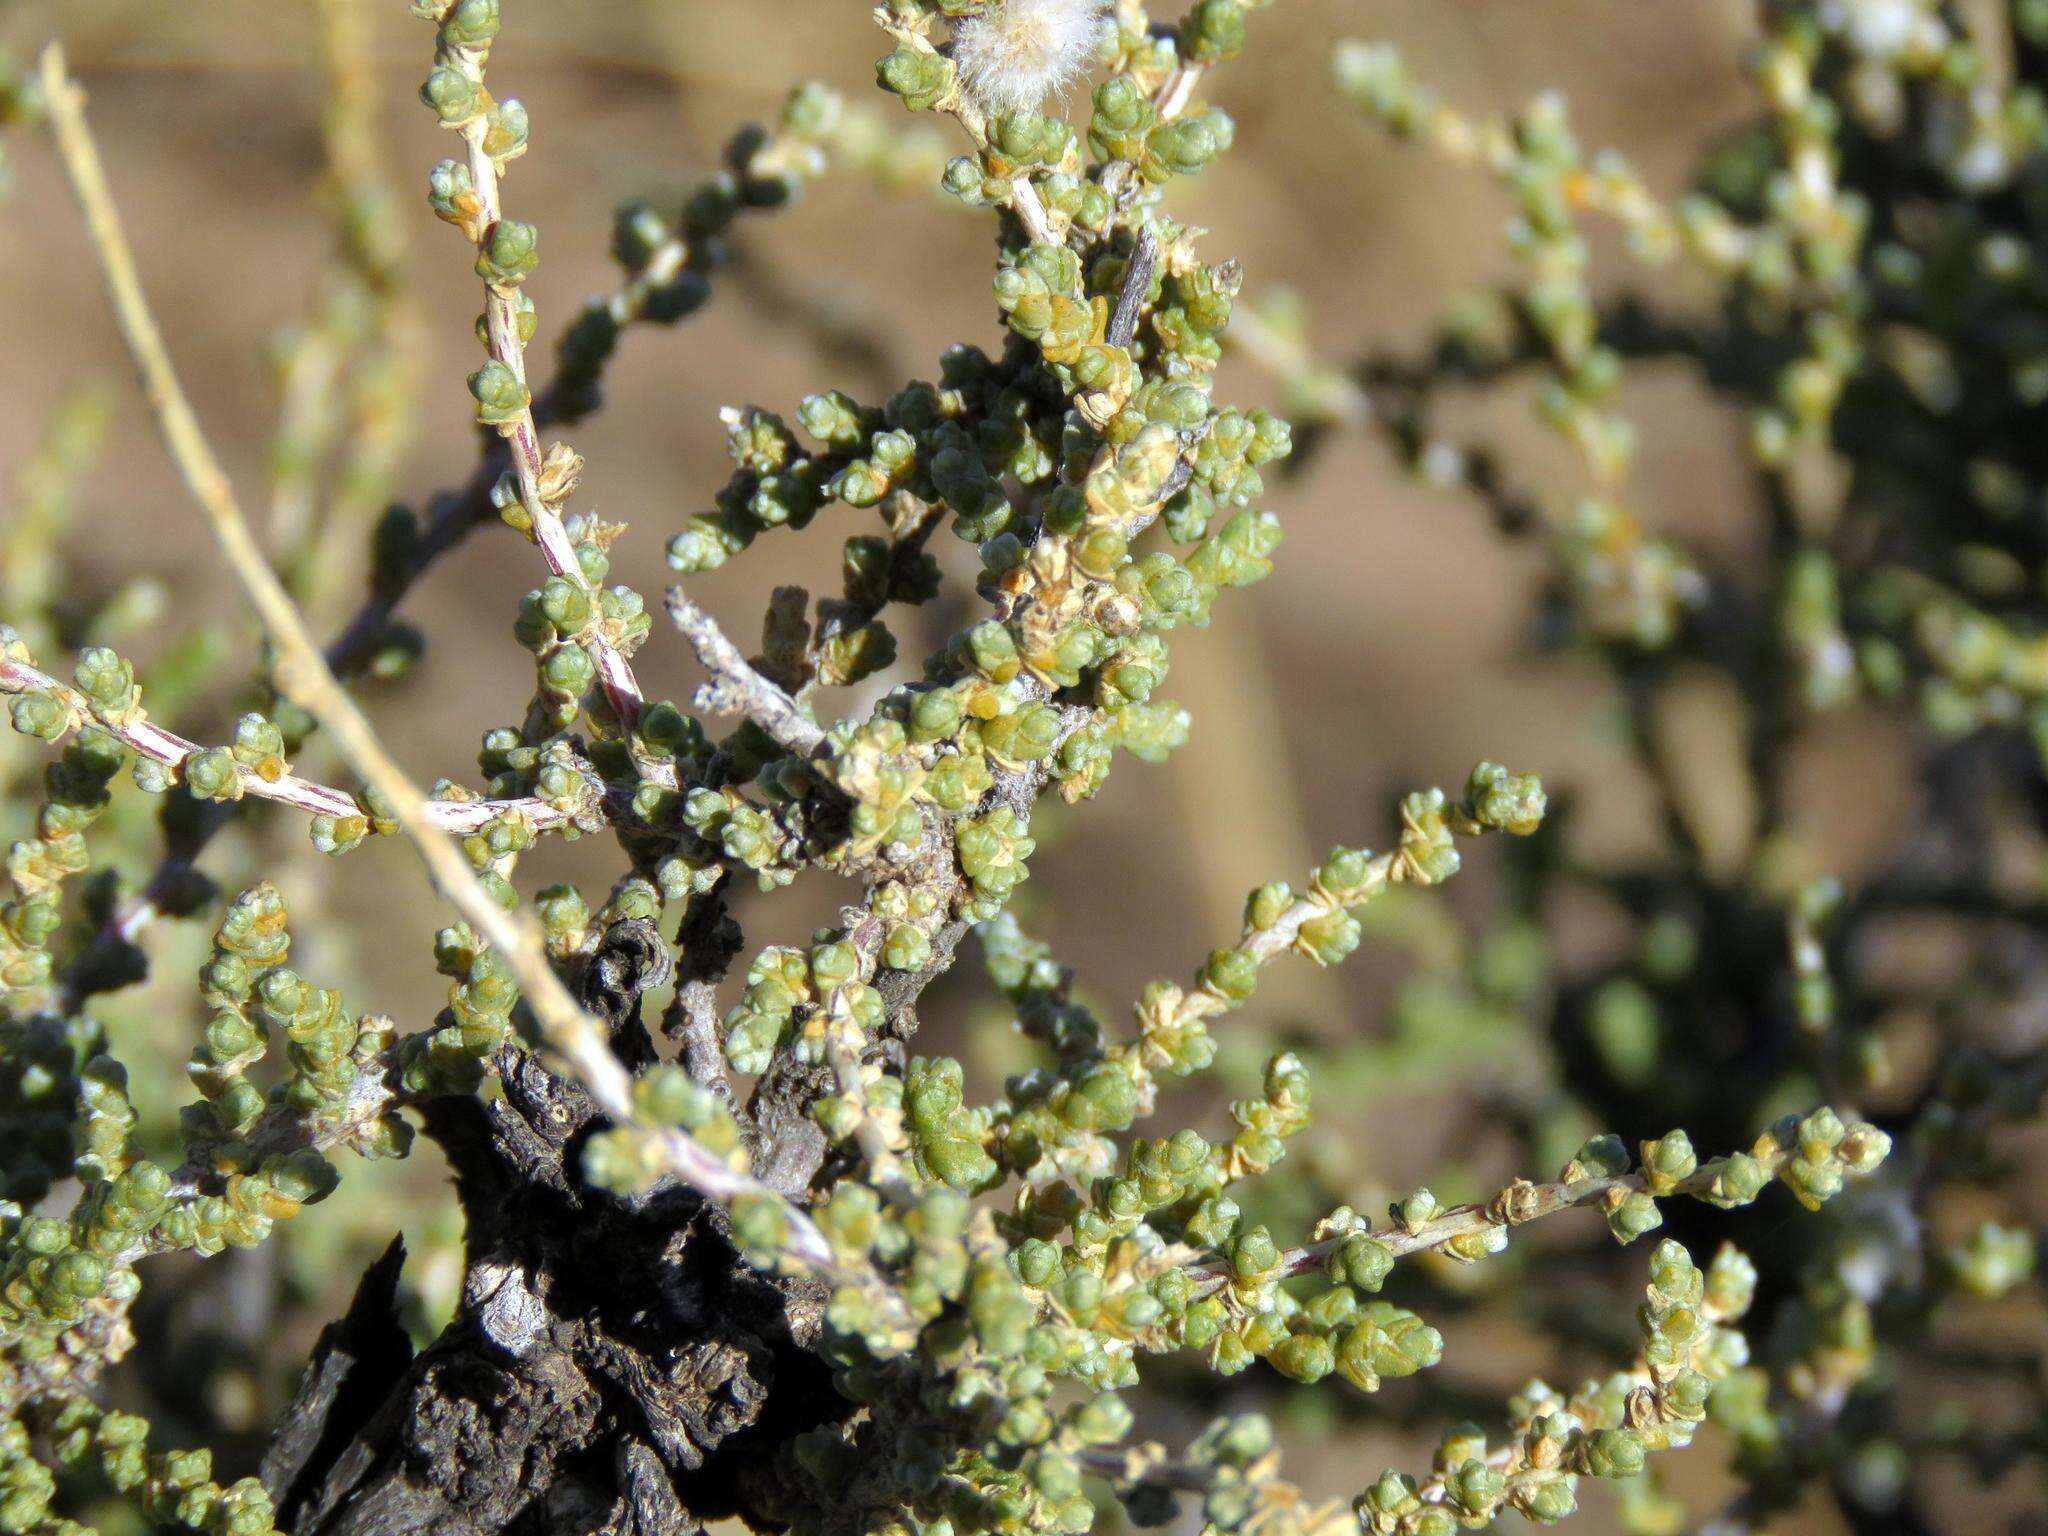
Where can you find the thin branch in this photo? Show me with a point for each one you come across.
(693, 1022)
(1519, 1203)
(1024, 199)
(1137, 288)
(172, 750)
(302, 672)
(736, 688)
(501, 318)
(1031, 212)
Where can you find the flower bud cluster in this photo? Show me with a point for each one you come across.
(175, 1490)
(1606, 1429)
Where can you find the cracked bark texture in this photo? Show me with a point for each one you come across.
(614, 1365)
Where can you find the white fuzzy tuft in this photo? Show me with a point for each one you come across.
(1018, 52)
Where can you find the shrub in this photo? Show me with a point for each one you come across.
(766, 1259)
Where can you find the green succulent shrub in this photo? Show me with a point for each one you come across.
(734, 1243)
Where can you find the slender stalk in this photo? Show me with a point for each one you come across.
(172, 750)
(1513, 1206)
(1024, 199)
(501, 322)
(736, 688)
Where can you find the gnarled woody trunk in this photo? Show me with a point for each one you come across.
(614, 1364)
